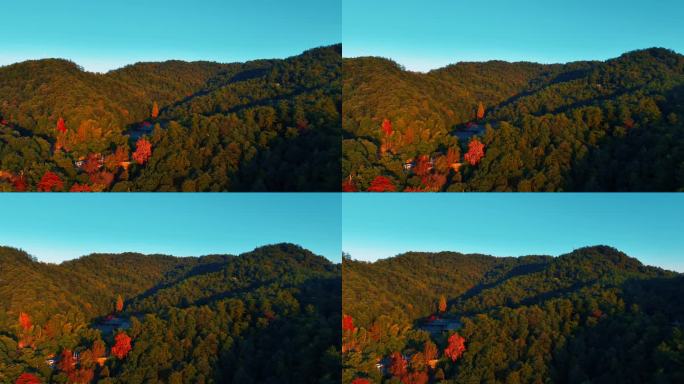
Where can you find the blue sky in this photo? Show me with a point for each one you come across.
(56, 227)
(429, 34)
(645, 226)
(106, 34)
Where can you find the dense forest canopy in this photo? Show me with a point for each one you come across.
(592, 315)
(271, 315)
(616, 125)
(173, 126)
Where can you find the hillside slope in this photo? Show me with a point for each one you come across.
(613, 125)
(259, 125)
(594, 314)
(210, 319)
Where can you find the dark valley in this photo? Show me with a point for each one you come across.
(616, 125)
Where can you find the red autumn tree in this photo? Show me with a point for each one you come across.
(80, 188)
(101, 180)
(456, 347)
(433, 182)
(81, 376)
(480, 111)
(387, 127)
(61, 126)
(155, 110)
(25, 321)
(475, 152)
(419, 377)
(423, 165)
(122, 345)
(27, 378)
(381, 184)
(143, 151)
(19, 183)
(50, 182)
(349, 186)
(347, 323)
(67, 363)
(398, 366)
(119, 303)
(92, 163)
(360, 380)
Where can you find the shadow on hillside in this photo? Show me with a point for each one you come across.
(646, 158)
(519, 270)
(629, 345)
(175, 276)
(310, 161)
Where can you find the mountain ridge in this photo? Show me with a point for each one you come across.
(578, 126)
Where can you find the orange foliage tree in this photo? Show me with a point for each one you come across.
(381, 184)
(480, 111)
(113, 161)
(430, 350)
(155, 110)
(143, 151)
(442, 303)
(98, 348)
(456, 347)
(453, 155)
(119, 303)
(50, 182)
(122, 345)
(475, 152)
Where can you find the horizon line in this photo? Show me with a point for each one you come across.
(43, 260)
(506, 256)
(408, 68)
(120, 66)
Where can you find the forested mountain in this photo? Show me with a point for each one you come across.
(271, 315)
(201, 126)
(616, 125)
(592, 315)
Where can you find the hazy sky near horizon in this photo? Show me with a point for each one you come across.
(62, 226)
(106, 34)
(646, 226)
(429, 34)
